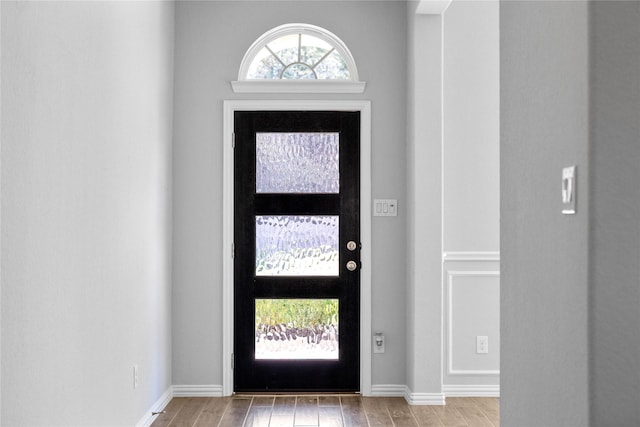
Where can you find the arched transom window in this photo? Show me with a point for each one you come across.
(298, 56)
(312, 57)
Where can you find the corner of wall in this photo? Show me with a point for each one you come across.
(1, 127)
(424, 249)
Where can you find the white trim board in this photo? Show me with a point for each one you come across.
(388, 390)
(178, 391)
(471, 390)
(364, 107)
(205, 390)
(297, 86)
(401, 390)
(147, 419)
(423, 398)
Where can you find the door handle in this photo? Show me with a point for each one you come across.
(352, 265)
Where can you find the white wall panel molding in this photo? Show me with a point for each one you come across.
(472, 372)
(147, 419)
(480, 256)
(451, 281)
(205, 390)
(388, 390)
(423, 398)
(471, 390)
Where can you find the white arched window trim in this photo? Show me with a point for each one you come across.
(244, 85)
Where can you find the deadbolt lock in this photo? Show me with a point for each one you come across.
(351, 245)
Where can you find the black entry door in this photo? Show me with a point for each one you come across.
(297, 251)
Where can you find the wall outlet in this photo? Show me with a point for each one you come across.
(135, 376)
(378, 343)
(482, 344)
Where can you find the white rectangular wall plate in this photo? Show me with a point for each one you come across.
(385, 207)
(482, 344)
(378, 343)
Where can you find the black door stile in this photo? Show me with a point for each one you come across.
(251, 374)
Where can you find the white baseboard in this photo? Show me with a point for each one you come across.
(197, 390)
(377, 390)
(400, 390)
(388, 390)
(423, 398)
(471, 390)
(158, 406)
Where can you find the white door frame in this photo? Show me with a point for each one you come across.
(364, 107)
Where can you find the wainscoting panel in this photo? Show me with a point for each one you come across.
(471, 284)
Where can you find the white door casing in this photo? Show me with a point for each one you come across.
(364, 107)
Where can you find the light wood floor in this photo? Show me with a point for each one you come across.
(326, 411)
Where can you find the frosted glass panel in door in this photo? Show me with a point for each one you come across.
(297, 245)
(289, 329)
(297, 162)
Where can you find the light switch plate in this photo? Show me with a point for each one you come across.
(569, 190)
(385, 207)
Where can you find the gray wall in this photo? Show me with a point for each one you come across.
(615, 209)
(571, 95)
(86, 146)
(544, 254)
(471, 127)
(211, 39)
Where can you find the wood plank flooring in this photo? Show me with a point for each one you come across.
(326, 411)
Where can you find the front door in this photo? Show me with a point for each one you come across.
(297, 251)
